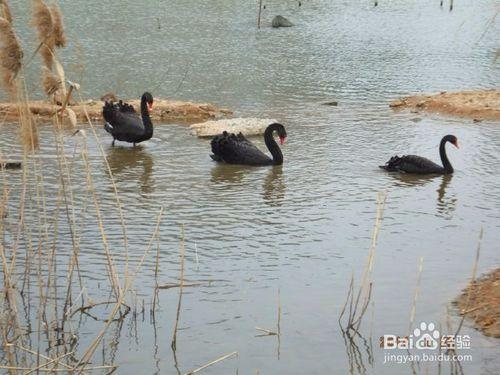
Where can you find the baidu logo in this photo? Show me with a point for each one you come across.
(426, 337)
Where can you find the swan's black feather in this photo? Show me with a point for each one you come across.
(125, 107)
(125, 124)
(412, 164)
(236, 149)
(419, 165)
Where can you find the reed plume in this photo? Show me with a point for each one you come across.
(44, 23)
(5, 11)
(58, 26)
(11, 55)
(51, 83)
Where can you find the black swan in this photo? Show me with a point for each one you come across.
(236, 149)
(419, 165)
(124, 124)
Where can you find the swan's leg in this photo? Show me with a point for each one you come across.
(113, 143)
(134, 144)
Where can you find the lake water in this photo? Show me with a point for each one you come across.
(302, 228)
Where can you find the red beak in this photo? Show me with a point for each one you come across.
(456, 144)
(282, 140)
(150, 106)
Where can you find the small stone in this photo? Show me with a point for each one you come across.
(280, 21)
(397, 103)
(333, 103)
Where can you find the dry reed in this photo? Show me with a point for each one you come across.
(51, 83)
(5, 11)
(11, 56)
(472, 280)
(43, 21)
(28, 129)
(173, 344)
(417, 292)
(212, 363)
(20, 347)
(259, 14)
(359, 304)
(58, 26)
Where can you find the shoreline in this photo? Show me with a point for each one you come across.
(480, 302)
(475, 104)
(167, 111)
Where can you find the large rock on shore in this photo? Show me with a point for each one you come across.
(247, 126)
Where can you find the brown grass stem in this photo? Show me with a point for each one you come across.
(212, 363)
(181, 289)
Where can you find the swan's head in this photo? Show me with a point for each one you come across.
(453, 140)
(148, 98)
(280, 129)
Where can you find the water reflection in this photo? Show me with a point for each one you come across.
(359, 351)
(227, 173)
(405, 179)
(273, 188)
(447, 203)
(123, 162)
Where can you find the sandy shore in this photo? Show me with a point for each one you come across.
(164, 110)
(484, 303)
(477, 104)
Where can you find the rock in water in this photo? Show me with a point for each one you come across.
(247, 126)
(8, 164)
(333, 103)
(280, 21)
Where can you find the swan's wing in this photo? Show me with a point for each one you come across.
(128, 125)
(122, 121)
(108, 111)
(236, 149)
(125, 107)
(412, 164)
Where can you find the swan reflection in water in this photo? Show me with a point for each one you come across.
(229, 173)
(125, 162)
(446, 203)
(273, 187)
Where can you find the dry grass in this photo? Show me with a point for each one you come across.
(31, 259)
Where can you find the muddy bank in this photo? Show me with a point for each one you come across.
(166, 111)
(484, 303)
(477, 104)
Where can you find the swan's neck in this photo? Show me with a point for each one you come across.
(273, 147)
(444, 158)
(146, 120)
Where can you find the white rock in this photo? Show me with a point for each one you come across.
(247, 126)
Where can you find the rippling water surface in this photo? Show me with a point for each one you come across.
(301, 228)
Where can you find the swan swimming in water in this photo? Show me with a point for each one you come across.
(236, 149)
